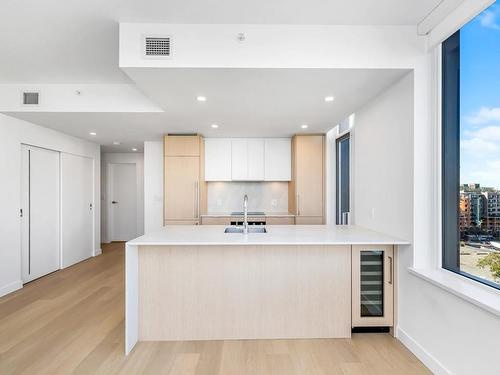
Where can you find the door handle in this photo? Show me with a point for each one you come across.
(114, 202)
(390, 270)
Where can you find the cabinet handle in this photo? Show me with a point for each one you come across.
(197, 199)
(390, 270)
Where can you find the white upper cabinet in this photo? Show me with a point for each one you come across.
(255, 160)
(278, 159)
(239, 165)
(217, 159)
(248, 159)
(247, 162)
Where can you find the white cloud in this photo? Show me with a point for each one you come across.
(481, 168)
(478, 145)
(489, 19)
(488, 134)
(494, 164)
(484, 116)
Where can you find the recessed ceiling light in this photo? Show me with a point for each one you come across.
(215, 126)
(201, 98)
(304, 126)
(116, 143)
(93, 133)
(329, 98)
(134, 149)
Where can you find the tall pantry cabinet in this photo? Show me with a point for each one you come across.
(183, 177)
(306, 190)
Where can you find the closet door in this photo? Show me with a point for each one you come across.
(77, 200)
(40, 212)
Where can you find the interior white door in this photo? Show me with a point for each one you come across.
(77, 197)
(123, 201)
(40, 212)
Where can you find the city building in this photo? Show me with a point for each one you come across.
(479, 211)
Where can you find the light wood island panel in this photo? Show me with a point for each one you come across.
(244, 292)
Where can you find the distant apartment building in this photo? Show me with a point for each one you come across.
(479, 210)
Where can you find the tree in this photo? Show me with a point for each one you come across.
(491, 260)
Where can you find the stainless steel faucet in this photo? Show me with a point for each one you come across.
(245, 214)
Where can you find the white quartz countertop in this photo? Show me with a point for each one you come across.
(276, 235)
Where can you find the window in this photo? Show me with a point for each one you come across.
(471, 149)
(342, 146)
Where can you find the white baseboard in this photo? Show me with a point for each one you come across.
(423, 355)
(97, 252)
(9, 288)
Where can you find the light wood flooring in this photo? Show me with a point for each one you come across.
(71, 322)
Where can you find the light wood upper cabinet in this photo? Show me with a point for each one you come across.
(217, 159)
(306, 191)
(278, 156)
(182, 145)
(182, 179)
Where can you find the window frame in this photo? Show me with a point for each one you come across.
(450, 159)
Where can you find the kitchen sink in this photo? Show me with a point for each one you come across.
(250, 230)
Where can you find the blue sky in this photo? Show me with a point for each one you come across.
(480, 99)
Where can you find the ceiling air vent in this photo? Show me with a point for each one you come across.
(31, 97)
(157, 47)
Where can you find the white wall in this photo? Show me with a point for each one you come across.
(274, 46)
(383, 167)
(448, 333)
(64, 98)
(153, 186)
(13, 133)
(133, 158)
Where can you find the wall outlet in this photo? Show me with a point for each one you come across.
(274, 203)
(372, 213)
(219, 203)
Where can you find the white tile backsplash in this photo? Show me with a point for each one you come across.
(262, 196)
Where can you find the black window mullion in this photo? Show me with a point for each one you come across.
(451, 152)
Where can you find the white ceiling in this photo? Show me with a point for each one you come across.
(71, 41)
(243, 102)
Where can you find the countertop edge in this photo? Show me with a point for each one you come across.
(166, 243)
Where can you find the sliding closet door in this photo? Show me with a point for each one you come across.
(77, 200)
(40, 212)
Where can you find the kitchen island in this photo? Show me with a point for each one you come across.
(199, 283)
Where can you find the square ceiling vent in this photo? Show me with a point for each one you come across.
(157, 47)
(31, 98)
